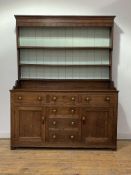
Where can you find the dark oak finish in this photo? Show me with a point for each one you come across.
(60, 21)
(97, 126)
(64, 113)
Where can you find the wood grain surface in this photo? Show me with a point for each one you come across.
(64, 161)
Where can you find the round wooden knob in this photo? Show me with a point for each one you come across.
(54, 122)
(72, 110)
(39, 98)
(87, 99)
(43, 119)
(54, 110)
(73, 98)
(54, 98)
(19, 98)
(83, 118)
(72, 123)
(72, 137)
(54, 136)
(107, 98)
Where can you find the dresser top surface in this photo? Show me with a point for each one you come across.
(62, 85)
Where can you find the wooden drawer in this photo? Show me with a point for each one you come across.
(98, 99)
(63, 98)
(61, 123)
(63, 136)
(62, 111)
(28, 98)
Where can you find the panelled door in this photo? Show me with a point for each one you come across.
(29, 125)
(97, 126)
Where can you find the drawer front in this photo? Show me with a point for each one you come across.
(69, 136)
(62, 111)
(29, 98)
(98, 99)
(63, 123)
(63, 98)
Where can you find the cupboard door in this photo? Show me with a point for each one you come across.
(29, 125)
(98, 126)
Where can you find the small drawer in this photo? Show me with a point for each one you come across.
(69, 136)
(28, 98)
(98, 99)
(62, 98)
(63, 122)
(62, 111)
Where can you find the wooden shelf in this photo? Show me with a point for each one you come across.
(43, 47)
(46, 79)
(58, 65)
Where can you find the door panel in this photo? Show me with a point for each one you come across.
(29, 124)
(97, 126)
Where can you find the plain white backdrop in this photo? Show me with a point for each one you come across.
(121, 54)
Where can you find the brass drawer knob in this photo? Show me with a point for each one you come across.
(72, 123)
(54, 110)
(54, 122)
(72, 137)
(108, 99)
(19, 98)
(54, 98)
(43, 119)
(83, 118)
(72, 110)
(73, 98)
(54, 136)
(87, 99)
(39, 98)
